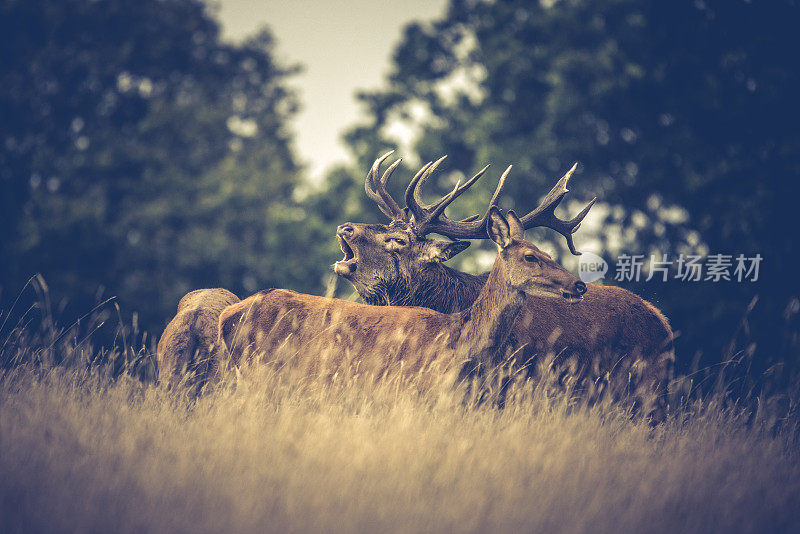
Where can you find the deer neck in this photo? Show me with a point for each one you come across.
(434, 286)
(487, 323)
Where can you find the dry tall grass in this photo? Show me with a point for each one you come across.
(81, 453)
(81, 450)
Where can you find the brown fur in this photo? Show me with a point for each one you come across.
(610, 332)
(188, 350)
(611, 335)
(282, 326)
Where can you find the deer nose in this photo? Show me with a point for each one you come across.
(580, 287)
(346, 230)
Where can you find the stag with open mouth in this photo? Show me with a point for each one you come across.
(597, 326)
(349, 263)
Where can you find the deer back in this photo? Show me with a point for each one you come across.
(318, 335)
(189, 349)
(283, 326)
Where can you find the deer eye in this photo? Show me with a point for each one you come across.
(398, 240)
(531, 258)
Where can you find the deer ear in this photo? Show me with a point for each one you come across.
(498, 228)
(515, 225)
(439, 251)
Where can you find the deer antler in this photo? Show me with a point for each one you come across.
(544, 214)
(379, 194)
(431, 218)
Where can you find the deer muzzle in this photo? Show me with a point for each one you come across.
(349, 263)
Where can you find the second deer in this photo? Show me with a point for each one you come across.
(612, 341)
(321, 335)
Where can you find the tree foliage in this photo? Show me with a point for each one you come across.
(142, 154)
(682, 107)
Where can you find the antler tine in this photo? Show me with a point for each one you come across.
(480, 224)
(388, 173)
(544, 214)
(458, 190)
(413, 199)
(417, 189)
(499, 189)
(414, 192)
(412, 205)
(580, 216)
(428, 219)
(379, 195)
(414, 202)
(493, 202)
(373, 172)
(397, 210)
(445, 201)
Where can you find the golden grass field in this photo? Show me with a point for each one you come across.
(79, 452)
(84, 448)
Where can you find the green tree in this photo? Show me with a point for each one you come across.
(142, 154)
(688, 105)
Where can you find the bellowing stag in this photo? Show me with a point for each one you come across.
(302, 331)
(189, 349)
(397, 264)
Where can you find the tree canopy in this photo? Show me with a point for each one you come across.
(143, 155)
(681, 114)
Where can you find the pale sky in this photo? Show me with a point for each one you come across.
(344, 46)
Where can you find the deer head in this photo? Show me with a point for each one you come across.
(523, 266)
(388, 262)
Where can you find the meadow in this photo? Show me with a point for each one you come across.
(89, 443)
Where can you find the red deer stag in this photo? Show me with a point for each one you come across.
(396, 264)
(285, 327)
(189, 349)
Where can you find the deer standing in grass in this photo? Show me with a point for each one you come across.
(611, 331)
(189, 349)
(301, 330)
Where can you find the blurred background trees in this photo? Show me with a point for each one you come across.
(683, 116)
(142, 155)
